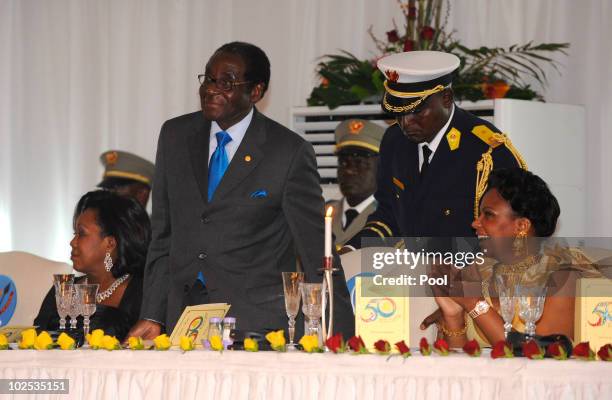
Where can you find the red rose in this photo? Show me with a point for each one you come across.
(502, 349)
(557, 351)
(605, 353)
(583, 351)
(424, 347)
(356, 344)
(403, 348)
(409, 45)
(441, 347)
(472, 348)
(392, 36)
(382, 346)
(427, 33)
(336, 343)
(532, 351)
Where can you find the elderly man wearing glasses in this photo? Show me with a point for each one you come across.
(237, 201)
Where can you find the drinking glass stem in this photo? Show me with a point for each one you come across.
(73, 322)
(86, 325)
(62, 323)
(291, 330)
(507, 328)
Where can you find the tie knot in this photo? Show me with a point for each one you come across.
(426, 152)
(223, 138)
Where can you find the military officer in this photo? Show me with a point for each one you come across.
(357, 148)
(435, 161)
(127, 174)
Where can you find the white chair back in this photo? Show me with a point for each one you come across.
(32, 277)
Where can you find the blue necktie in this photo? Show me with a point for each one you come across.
(218, 163)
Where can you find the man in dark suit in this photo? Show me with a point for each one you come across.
(435, 161)
(236, 201)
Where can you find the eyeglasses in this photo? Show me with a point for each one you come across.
(221, 83)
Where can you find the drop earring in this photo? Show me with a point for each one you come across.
(108, 262)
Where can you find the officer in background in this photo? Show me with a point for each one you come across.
(357, 148)
(435, 162)
(127, 175)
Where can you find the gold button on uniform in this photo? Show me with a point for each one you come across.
(447, 212)
(247, 158)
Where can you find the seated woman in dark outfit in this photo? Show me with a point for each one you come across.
(111, 236)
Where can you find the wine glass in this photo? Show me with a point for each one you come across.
(311, 305)
(291, 287)
(62, 283)
(531, 305)
(73, 306)
(87, 300)
(507, 301)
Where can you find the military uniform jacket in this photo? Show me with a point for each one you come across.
(342, 235)
(266, 212)
(445, 200)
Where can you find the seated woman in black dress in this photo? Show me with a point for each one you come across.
(111, 236)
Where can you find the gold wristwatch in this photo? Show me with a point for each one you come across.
(480, 308)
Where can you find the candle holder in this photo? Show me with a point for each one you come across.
(328, 287)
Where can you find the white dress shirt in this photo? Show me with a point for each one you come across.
(435, 142)
(236, 132)
(359, 207)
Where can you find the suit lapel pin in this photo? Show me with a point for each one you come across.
(247, 158)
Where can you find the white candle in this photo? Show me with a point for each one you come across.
(328, 231)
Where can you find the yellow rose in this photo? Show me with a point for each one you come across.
(28, 338)
(135, 343)
(216, 343)
(277, 340)
(186, 343)
(66, 342)
(3, 342)
(251, 345)
(43, 341)
(310, 343)
(162, 342)
(95, 339)
(110, 343)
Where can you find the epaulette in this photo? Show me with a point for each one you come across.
(484, 166)
(494, 139)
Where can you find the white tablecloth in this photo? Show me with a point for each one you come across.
(268, 375)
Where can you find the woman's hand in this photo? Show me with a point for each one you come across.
(450, 307)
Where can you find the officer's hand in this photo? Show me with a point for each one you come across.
(148, 330)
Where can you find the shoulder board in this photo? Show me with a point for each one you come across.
(485, 134)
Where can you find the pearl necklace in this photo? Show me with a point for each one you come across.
(100, 297)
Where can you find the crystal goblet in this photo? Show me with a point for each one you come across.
(87, 300)
(531, 305)
(507, 301)
(73, 306)
(312, 305)
(291, 287)
(60, 282)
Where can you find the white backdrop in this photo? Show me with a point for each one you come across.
(79, 77)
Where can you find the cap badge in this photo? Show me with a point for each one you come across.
(392, 75)
(111, 158)
(355, 127)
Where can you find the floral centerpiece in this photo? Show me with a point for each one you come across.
(484, 72)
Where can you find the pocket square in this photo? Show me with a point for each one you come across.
(259, 194)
